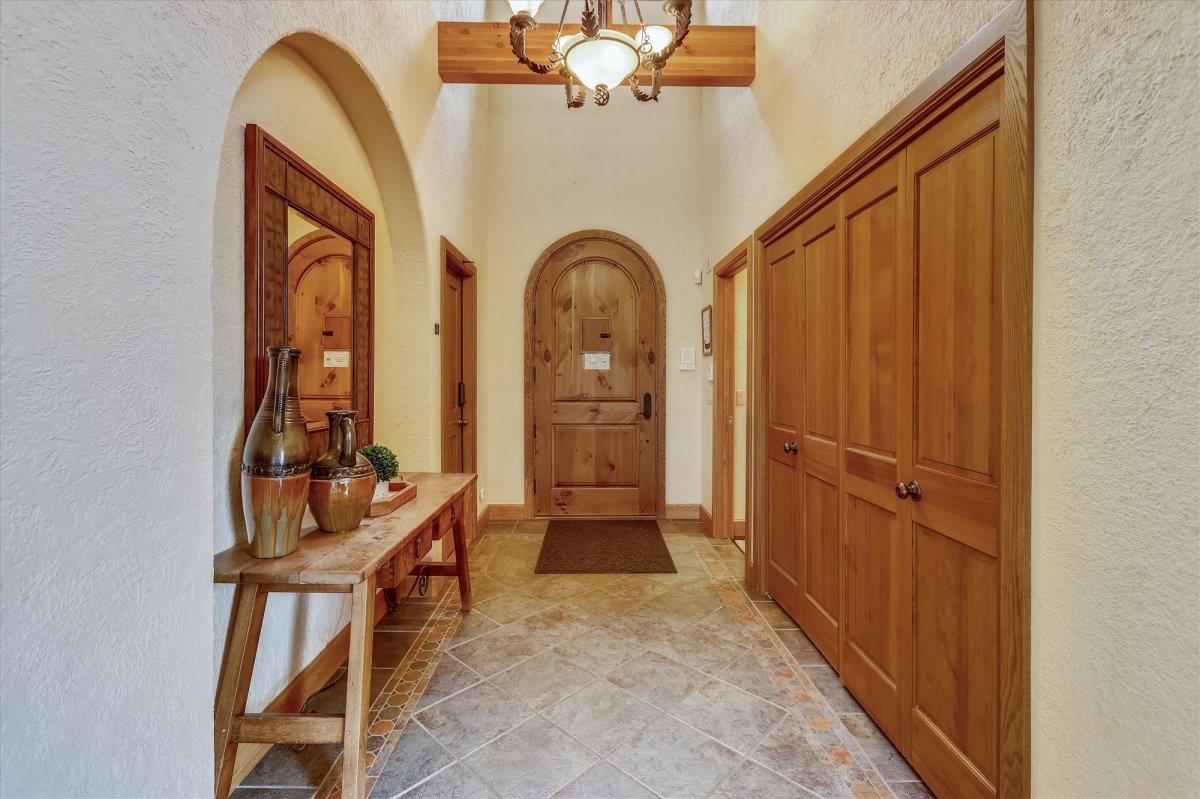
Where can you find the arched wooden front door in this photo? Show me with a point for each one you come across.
(594, 371)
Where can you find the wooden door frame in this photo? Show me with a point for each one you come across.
(1000, 47)
(743, 258)
(452, 259)
(659, 353)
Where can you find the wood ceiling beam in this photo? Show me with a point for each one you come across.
(479, 52)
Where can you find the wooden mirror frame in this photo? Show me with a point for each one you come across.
(277, 178)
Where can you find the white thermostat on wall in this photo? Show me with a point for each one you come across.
(687, 359)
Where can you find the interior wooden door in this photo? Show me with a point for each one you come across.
(595, 382)
(953, 362)
(820, 535)
(876, 650)
(453, 387)
(784, 352)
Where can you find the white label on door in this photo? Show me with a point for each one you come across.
(596, 360)
(337, 358)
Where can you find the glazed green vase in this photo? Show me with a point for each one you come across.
(275, 463)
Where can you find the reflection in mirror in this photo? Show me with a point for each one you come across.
(320, 315)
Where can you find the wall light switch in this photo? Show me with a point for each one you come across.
(710, 373)
(739, 397)
(687, 359)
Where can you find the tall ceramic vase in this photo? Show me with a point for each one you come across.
(343, 481)
(276, 463)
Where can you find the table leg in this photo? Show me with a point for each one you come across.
(358, 690)
(461, 567)
(237, 666)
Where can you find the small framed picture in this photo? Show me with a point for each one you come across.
(706, 329)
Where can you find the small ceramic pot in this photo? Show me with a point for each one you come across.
(342, 482)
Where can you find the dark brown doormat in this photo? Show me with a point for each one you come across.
(604, 546)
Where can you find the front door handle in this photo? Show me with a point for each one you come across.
(647, 405)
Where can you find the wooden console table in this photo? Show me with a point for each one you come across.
(379, 554)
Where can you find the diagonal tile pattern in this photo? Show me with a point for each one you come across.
(655, 685)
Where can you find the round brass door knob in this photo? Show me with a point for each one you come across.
(910, 490)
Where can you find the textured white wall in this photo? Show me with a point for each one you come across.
(114, 120)
(1116, 487)
(628, 167)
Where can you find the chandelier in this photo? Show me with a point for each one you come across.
(601, 58)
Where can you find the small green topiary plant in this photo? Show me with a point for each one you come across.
(384, 461)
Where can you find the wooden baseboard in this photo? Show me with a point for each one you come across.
(506, 513)
(706, 521)
(311, 679)
(485, 516)
(683, 512)
(739, 529)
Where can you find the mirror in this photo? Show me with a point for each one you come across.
(320, 275)
(310, 270)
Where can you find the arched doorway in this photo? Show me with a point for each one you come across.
(595, 380)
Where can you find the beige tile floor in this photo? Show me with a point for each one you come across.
(608, 686)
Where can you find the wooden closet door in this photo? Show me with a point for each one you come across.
(452, 372)
(820, 538)
(784, 355)
(954, 430)
(877, 623)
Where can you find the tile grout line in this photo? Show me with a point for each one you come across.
(771, 645)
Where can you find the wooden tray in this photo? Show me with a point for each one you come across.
(399, 494)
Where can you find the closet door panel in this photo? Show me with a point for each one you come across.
(784, 417)
(821, 611)
(877, 635)
(954, 436)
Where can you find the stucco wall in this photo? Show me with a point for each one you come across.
(115, 116)
(1116, 488)
(627, 167)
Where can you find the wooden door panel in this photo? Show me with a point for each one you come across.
(955, 654)
(957, 374)
(953, 435)
(784, 332)
(589, 455)
(877, 622)
(783, 557)
(874, 656)
(595, 321)
(820, 612)
(584, 295)
(820, 321)
(871, 298)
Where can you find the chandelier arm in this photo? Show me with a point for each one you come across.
(573, 100)
(521, 22)
(682, 11)
(655, 87)
(590, 22)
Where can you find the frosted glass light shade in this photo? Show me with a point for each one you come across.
(531, 6)
(659, 37)
(607, 60)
